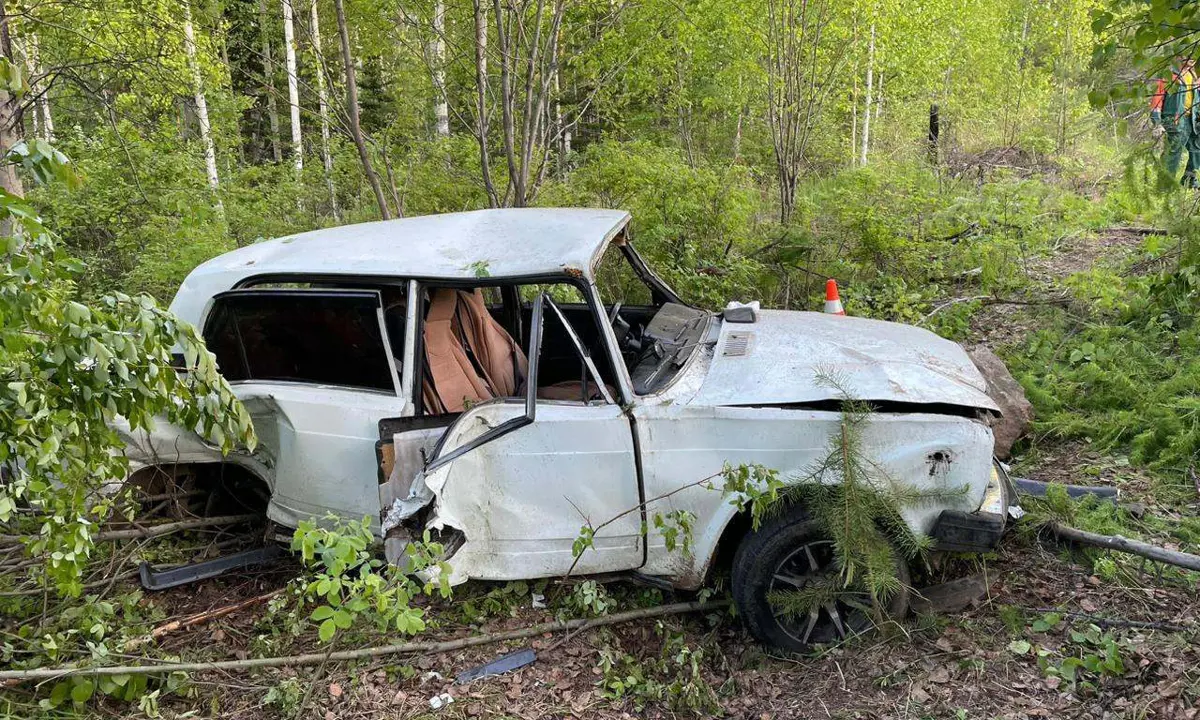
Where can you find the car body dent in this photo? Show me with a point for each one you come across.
(778, 358)
(681, 441)
(517, 499)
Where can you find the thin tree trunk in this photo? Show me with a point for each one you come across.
(566, 128)
(866, 126)
(30, 73)
(878, 95)
(210, 149)
(391, 178)
(516, 181)
(289, 52)
(10, 106)
(441, 109)
(43, 100)
(323, 112)
(854, 102)
(559, 129)
(854, 121)
(269, 81)
(352, 112)
(481, 88)
(1014, 117)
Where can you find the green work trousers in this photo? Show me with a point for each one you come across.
(1182, 137)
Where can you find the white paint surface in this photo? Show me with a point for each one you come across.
(503, 243)
(877, 360)
(522, 498)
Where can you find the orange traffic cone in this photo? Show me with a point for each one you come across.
(833, 301)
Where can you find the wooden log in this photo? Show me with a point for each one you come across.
(1124, 544)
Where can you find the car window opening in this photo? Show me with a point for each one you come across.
(307, 336)
(656, 334)
(472, 353)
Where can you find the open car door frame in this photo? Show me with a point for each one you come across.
(511, 506)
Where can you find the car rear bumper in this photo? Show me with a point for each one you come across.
(978, 530)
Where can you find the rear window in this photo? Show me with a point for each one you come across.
(320, 337)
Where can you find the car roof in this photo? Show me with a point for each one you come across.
(498, 243)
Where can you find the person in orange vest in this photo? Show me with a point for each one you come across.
(1174, 107)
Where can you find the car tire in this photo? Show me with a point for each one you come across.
(775, 557)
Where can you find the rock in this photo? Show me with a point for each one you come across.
(1016, 410)
(951, 596)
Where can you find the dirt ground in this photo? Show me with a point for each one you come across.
(988, 661)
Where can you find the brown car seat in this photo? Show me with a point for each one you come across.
(469, 356)
(499, 357)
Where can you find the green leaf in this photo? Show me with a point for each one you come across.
(1019, 647)
(326, 631)
(82, 691)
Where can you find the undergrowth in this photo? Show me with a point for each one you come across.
(1122, 372)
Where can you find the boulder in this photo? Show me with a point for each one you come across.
(1016, 410)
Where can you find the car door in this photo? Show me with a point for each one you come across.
(519, 478)
(316, 370)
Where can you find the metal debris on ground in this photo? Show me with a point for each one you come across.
(184, 574)
(507, 663)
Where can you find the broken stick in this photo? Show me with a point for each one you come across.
(198, 619)
(8, 677)
(1124, 544)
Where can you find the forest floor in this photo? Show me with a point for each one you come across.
(1003, 657)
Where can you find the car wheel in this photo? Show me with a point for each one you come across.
(789, 553)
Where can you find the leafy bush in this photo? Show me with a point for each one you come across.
(348, 583)
(69, 371)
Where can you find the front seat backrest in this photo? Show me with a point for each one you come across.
(498, 357)
(454, 383)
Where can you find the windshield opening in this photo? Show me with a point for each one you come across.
(655, 331)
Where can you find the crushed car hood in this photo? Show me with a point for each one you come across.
(777, 359)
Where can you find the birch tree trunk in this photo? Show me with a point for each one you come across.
(10, 106)
(481, 108)
(42, 118)
(878, 94)
(269, 81)
(323, 112)
(210, 149)
(289, 52)
(441, 109)
(866, 126)
(352, 112)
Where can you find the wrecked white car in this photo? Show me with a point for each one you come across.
(503, 377)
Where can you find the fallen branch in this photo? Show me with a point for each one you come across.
(198, 619)
(1136, 230)
(154, 531)
(1104, 622)
(986, 300)
(8, 677)
(1124, 544)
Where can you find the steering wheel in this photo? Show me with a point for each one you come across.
(620, 326)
